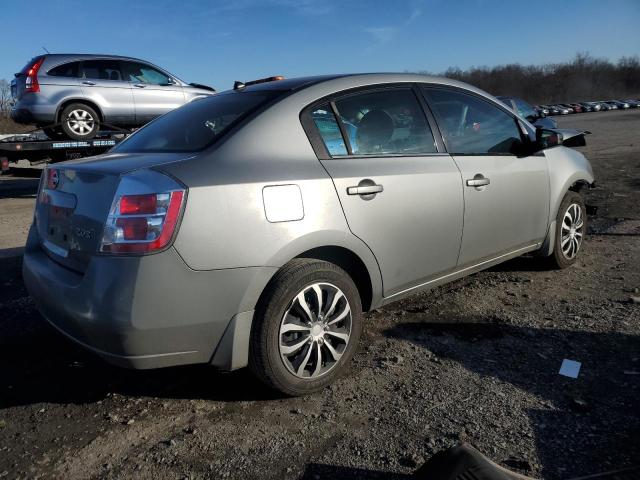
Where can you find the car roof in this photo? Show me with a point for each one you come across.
(86, 56)
(345, 81)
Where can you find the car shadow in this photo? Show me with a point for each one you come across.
(316, 471)
(593, 419)
(526, 263)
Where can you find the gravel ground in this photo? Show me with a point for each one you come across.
(476, 360)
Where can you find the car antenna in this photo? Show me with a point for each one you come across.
(45, 49)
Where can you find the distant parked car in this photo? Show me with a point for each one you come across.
(585, 107)
(576, 107)
(542, 109)
(612, 105)
(633, 103)
(553, 110)
(526, 111)
(564, 110)
(594, 106)
(82, 92)
(622, 104)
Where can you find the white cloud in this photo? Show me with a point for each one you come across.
(385, 34)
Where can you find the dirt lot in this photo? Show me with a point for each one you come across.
(476, 360)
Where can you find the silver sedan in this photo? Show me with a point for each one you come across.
(253, 227)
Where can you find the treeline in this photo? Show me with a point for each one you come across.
(583, 79)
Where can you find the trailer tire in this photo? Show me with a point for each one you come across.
(54, 133)
(79, 121)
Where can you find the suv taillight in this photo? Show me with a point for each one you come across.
(31, 84)
(140, 221)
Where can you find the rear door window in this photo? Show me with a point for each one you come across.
(101, 70)
(327, 125)
(473, 126)
(69, 70)
(385, 122)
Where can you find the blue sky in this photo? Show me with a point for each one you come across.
(216, 42)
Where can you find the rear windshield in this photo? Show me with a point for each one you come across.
(195, 126)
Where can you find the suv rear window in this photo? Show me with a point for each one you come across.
(197, 125)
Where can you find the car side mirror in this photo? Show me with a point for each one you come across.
(547, 138)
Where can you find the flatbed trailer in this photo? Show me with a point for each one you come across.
(38, 149)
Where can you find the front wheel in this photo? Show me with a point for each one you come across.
(307, 327)
(571, 227)
(80, 122)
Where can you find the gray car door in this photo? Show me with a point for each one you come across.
(400, 195)
(506, 193)
(155, 92)
(102, 82)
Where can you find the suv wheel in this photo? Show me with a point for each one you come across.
(79, 121)
(307, 327)
(571, 227)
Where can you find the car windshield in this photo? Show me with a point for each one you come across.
(195, 126)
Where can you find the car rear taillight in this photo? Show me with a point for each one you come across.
(31, 84)
(141, 221)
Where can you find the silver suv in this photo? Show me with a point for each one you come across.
(78, 93)
(253, 227)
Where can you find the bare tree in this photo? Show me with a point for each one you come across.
(5, 98)
(583, 79)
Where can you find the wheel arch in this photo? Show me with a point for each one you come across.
(350, 263)
(84, 101)
(232, 352)
(579, 182)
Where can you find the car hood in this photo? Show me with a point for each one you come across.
(572, 138)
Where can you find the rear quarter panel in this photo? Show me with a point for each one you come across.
(225, 224)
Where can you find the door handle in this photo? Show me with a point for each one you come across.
(364, 189)
(87, 82)
(139, 85)
(478, 181)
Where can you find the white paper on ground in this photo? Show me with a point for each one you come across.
(570, 368)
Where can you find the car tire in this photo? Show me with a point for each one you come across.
(287, 340)
(571, 228)
(79, 122)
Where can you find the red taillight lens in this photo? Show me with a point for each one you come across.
(31, 84)
(138, 204)
(135, 228)
(142, 223)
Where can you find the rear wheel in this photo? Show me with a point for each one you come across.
(307, 328)
(79, 121)
(571, 227)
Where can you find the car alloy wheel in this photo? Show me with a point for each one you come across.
(572, 231)
(80, 122)
(315, 330)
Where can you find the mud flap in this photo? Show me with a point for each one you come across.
(232, 352)
(546, 248)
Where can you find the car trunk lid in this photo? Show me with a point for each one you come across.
(74, 201)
